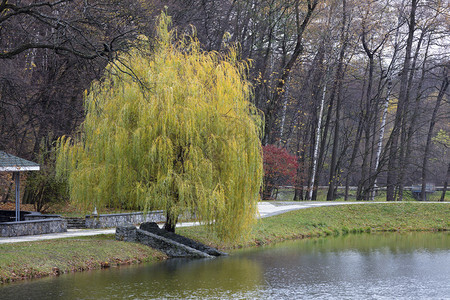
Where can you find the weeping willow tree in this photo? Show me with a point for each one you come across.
(183, 138)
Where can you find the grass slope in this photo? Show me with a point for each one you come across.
(336, 220)
(54, 257)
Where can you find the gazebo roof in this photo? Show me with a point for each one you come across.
(11, 163)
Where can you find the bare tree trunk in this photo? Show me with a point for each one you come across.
(442, 90)
(221, 35)
(274, 104)
(447, 178)
(352, 158)
(386, 103)
(381, 136)
(367, 117)
(393, 165)
(407, 133)
(8, 192)
(298, 194)
(356, 145)
(415, 114)
(337, 89)
(283, 113)
(317, 141)
(299, 179)
(366, 128)
(313, 93)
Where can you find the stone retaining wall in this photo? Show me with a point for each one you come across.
(38, 216)
(114, 220)
(171, 248)
(8, 229)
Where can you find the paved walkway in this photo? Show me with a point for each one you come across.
(272, 208)
(266, 209)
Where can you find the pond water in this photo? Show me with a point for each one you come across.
(376, 266)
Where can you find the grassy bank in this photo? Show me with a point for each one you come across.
(53, 257)
(336, 220)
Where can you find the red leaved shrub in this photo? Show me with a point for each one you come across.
(280, 168)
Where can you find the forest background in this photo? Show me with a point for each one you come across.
(354, 93)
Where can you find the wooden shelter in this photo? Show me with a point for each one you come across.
(14, 164)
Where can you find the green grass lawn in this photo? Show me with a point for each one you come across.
(336, 220)
(53, 257)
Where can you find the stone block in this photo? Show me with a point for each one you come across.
(126, 233)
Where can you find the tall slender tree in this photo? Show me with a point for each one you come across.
(392, 176)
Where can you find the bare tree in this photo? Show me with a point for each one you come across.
(443, 88)
(392, 178)
(85, 29)
(337, 92)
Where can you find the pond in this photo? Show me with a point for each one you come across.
(375, 266)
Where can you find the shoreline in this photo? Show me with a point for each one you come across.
(26, 260)
(336, 220)
(38, 259)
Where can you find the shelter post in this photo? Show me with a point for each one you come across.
(17, 181)
(14, 164)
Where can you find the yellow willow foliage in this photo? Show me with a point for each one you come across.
(187, 143)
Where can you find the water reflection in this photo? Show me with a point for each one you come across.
(402, 266)
(179, 278)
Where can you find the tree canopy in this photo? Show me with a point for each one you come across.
(180, 135)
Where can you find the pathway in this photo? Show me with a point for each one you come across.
(266, 209)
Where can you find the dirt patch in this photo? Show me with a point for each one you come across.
(12, 206)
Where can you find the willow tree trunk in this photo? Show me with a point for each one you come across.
(170, 223)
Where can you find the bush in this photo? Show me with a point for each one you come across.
(280, 168)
